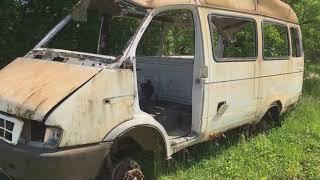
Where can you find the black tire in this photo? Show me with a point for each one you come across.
(127, 159)
(271, 119)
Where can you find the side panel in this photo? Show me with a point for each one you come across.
(232, 83)
(280, 80)
(100, 105)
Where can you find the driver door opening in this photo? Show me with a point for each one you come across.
(165, 63)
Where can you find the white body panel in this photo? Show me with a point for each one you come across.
(248, 87)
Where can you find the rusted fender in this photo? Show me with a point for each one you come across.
(31, 88)
(141, 119)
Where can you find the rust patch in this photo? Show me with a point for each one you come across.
(215, 136)
(27, 114)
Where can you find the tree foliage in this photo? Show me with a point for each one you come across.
(24, 22)
(276, 40)
(308, 12)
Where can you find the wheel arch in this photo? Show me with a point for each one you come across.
(145, 133)
(272, 102)
(277, 104)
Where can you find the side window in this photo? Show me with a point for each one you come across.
(296, 42)
(275, 41)
(233, 38)
(170, 33)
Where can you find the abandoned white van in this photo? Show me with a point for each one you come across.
(117, 78)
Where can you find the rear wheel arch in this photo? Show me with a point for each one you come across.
(273, 112)
(276, 104)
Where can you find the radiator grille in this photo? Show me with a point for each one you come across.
(10, 129)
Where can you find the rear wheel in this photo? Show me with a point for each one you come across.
(271, 119)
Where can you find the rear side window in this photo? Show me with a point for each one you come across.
(233, 38)
(275, 41)
(296, 42)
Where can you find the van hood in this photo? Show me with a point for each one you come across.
(31, 88)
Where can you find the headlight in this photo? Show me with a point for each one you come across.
(37, 134)
(52, 137)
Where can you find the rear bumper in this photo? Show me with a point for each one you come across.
(34, 164)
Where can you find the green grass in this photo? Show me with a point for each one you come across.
(291, 151)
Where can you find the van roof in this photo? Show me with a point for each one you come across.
(270, 8)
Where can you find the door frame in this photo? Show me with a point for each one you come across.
(197, 90)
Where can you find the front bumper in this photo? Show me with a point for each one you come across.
(27, 163)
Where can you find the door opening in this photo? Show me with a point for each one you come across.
(165, 63)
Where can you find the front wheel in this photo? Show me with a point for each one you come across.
(127, 169)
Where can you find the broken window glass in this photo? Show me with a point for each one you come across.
(233, 38)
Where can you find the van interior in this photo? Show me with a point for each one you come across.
(165, 71)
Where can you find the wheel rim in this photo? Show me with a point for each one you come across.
(134, 174)
(127, 170)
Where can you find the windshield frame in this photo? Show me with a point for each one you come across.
(63, 23)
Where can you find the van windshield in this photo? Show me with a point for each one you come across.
(103, 36)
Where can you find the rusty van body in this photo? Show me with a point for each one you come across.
(74, 115)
